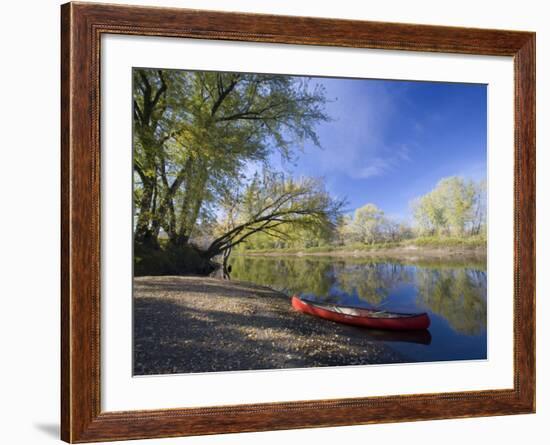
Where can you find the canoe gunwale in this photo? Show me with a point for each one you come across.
(420, 321)
(324, 306)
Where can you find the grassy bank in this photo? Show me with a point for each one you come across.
(418, 246)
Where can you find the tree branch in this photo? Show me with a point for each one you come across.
(223, 93)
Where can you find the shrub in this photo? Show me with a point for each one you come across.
(171, 260)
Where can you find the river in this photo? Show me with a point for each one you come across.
(453, 293)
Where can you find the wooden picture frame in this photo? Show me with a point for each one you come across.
(82, 26)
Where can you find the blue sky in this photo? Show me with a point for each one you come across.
(392, 141)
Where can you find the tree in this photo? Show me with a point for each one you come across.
(149, 116)
(368, 225)
(275, 206)
(195, 131)
(455, 207)
(344, 231)
(479, 221)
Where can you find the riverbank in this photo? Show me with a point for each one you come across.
(200, 324)
(406, 252)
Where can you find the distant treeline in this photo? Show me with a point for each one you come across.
(454, 209)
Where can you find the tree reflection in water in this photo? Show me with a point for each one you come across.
(455, 291)
(459, 295)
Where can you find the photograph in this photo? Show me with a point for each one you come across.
(295, 221)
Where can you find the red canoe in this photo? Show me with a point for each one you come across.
(369, 318)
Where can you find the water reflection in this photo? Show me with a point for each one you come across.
(453, 293)
(459, 295)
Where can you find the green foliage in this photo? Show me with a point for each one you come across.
(279, 208)
(370, 225)
(194, 132)
(437, 241)
(266, 244)
(456, 207)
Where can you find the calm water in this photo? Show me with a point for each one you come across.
(453, 293)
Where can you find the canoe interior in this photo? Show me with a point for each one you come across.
(359, 312)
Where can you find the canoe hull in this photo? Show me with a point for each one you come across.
(406, 323)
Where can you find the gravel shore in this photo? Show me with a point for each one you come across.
(201, 324)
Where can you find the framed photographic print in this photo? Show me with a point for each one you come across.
(276, 222)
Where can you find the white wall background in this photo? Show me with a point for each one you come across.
(29, 218)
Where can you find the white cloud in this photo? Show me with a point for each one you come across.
(378, 166)
(355, 143)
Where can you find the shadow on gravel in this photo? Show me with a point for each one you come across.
(172, 336)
